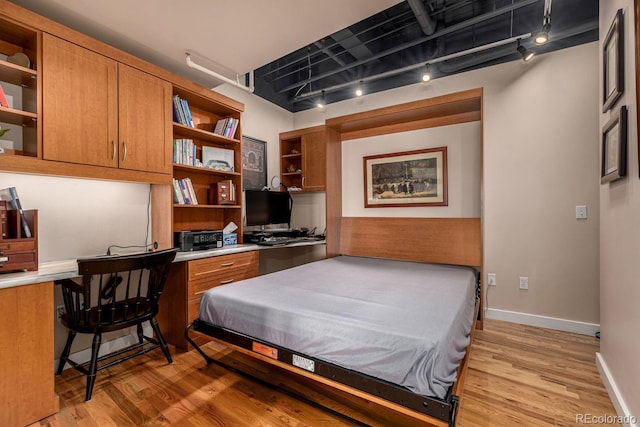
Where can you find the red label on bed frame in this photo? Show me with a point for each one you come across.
(265, 350)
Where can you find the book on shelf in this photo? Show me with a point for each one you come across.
(182, 112)
(226, 127)
(10, 195)
(3, 98)
(183, 192)
(185, 152)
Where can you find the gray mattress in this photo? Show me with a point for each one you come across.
(404, 322)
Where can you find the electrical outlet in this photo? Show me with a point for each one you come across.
(524, 283)
(491, 279)
(59, 312)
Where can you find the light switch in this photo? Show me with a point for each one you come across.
(581, 212)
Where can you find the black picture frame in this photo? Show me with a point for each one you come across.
(614, 148)
(254, 163)
(613, 63)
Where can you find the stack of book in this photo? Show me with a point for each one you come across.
(226, 127)
(184, 153)
(183, 192)
(181, 112)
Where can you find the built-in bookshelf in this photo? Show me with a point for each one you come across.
(303, 159)
(206, 112)
(19, 81)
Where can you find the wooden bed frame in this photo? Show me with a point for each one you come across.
(437, 240)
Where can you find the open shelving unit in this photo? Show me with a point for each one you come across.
(207, 215)
(14, 39)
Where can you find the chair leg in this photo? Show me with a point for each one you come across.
(140, 333)
(163, 343)
(65, 353)
(93, 365)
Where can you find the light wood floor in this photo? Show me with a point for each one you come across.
(518, 375)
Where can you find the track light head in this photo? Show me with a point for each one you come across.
(527, 54)
(543, 36)
(360, 89)
(321, 102)
(427, 75)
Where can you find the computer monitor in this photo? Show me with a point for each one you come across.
(267, 208)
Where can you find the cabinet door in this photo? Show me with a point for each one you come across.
(144, 121)
(79, 104)
(314, 157)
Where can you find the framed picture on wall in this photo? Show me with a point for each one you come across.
(254, 163)
(614, 147)
(613, 63)
(409, 178)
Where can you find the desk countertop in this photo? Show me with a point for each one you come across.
(66, 269)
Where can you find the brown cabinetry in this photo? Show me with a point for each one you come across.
(303, 159)
(99, 112)
(187, 282)
(18, 252)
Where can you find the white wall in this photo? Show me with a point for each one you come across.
(620, 242)
(540, 161)
(463, 160)
(82, 217)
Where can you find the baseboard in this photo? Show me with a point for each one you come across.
(116, 344)
(543, 321)
(626, 418)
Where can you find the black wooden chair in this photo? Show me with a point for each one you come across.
(114, 292)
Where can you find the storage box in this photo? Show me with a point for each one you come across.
(230, 239)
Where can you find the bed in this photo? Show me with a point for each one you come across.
(367, 307)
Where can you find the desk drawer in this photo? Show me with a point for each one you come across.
(200, 286)
(19, 261)
(205, 267)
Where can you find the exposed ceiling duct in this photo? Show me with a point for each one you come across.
(422, 16)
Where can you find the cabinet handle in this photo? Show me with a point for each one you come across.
(113, 146)
(225, 282)
(227, 264)
(124, 156)
(303, 182)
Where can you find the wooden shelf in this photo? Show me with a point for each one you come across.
(196, 169)
(203, 135)
(289, 156)
(292, 173)
(18, 117)
(17, 75)
(208, 206)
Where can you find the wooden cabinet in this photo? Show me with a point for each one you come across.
(27, 389)
(187, 282)
(303, 159)
(20, 84)
(206, 111)
(99, 112)
(18, 252)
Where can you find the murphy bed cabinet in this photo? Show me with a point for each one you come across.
(187, 282)
(101, 112)
(208, 214)
(303, 158)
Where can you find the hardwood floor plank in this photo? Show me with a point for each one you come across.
(518, 376)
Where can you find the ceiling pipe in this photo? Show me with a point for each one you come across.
(414, 66)
(442, 32)
(422, 16)
(224, 79)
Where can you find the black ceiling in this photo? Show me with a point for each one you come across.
(394, 39)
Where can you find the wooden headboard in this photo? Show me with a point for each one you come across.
(438, 240)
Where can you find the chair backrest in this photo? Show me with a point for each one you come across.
(116, 291)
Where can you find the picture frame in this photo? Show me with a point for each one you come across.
(254, 163)
(613, 63)
(614, 148)
(408, 178)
